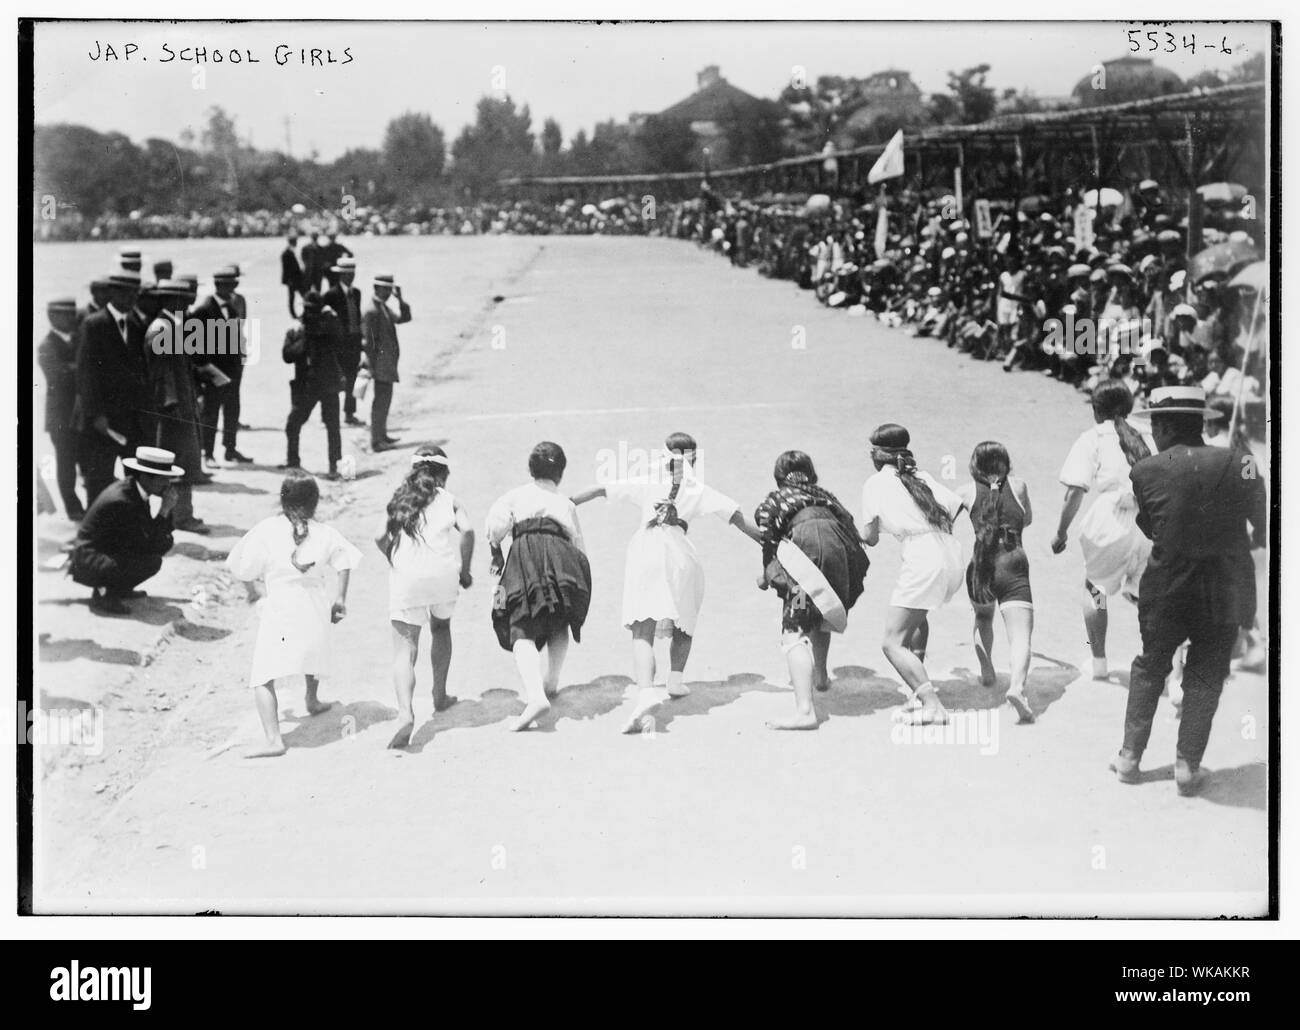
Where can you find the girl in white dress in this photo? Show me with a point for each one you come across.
(303, 566)
(1115, 550)
(429, 544)
(663, 586)
(916, 509)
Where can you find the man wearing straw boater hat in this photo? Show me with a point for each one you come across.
(228, 308)
(344, 300)
(380, 353)
(127, 530)
(112, 392)
(175, 406)
(1194, 501)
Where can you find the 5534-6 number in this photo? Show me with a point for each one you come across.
(1169, 42)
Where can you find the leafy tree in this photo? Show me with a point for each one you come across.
(498, 144)
(414, 154)
(552, 138)
(665, 145)
(753, 132)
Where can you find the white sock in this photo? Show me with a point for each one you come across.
(529, 663)
(676, 688)
(1099, 670)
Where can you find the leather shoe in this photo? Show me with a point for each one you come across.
(102, 604)
(380, 445)
(1189, 778)
(352, 420)
(392, 439)
(243, 459)
(194, 526)
(1125, 768)
(290, 465)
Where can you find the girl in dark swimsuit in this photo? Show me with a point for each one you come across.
(998, 574)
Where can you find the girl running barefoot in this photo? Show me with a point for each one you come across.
(428, 543)
(998, 575)
(663, 587)
(812, 558)
(545, 586)
(304, 567)
(1115, 550)
(916, 509)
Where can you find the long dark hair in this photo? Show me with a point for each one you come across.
(299, 496)
(1112, 401)
(678, 446)
(889, 447)
(413, 495)
(990, 464)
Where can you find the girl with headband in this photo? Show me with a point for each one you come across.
(428, 543)
(916, 509)
(663, 586)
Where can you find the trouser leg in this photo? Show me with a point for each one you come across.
(65, 471)
(329, 409)
(303, 402)
(98, 460)
(116, 573)
(230, 414)
(1207, 667)
(383, 400)
(208, 412)
(1161, 637)
(349, 362)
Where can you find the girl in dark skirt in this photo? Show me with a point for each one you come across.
(998, 575)
(813, 560)
(545, 586)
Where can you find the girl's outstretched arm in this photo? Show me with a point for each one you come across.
(466, 554)
(1073, 498)
(871, 533)
(1022, 495)
(339, 608)
(743, 524)
(589, 494)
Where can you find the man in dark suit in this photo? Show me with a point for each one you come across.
(380, 353)
(331, 253)
(313, 265)
(291, 272)
(223, 316)
(112, 391)
(57, 356)
(344, 300)
(127, 530)
(1194, 502)
(313, 348)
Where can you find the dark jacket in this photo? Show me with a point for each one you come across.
(111, 374)
(379, 338)
(1194, 503)
(313, 270)
(313, 349)
(119, 522)
(57, 359)
(228, 337)
(349, 319)
(290, 269)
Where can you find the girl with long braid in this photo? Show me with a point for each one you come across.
(998, 574)
(1115, 550)
(814, 562)
(915, 508)
(302, 567)
(429, 544)
(663, 585)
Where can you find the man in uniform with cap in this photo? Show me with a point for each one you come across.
(380, 353)
(126, 531)
(57, 356)
(112, 391)
(1194, 501)
(223, 316)
(344, 300)
(175, 400)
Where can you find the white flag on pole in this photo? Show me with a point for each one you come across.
(882, 229)
(889, 165)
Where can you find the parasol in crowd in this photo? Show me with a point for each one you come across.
(1222, 192)
(1221, 259)
(817, 202)
(1109, 198)
(1253, 276)
(590, 209)
(612, 202)
(1036, 203)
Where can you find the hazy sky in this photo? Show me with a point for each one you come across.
(579, 74)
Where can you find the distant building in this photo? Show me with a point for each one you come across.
(1126, 78)
(704, 111)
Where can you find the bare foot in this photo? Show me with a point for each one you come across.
(271, 750)
(823, 683)
(315, 706)
(1024, 714)
(642, 722)
(402, 737)
(551, 691)
(797, 722)
(529, 714)
(447, 701)
(988, 675)
(925, 715)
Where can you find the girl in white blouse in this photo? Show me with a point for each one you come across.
(303, 566)
(545, 585)
(429, 544)
(919, 511)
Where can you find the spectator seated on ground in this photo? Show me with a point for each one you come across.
(128, 529)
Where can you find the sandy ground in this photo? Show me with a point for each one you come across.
(600, 344)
